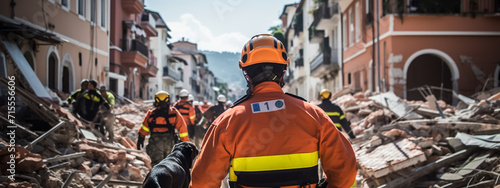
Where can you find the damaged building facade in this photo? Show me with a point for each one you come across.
(132, 62)
(452, 43)
(194, 74)
(60, 56)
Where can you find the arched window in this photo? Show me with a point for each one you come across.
(65, 80)
(52, 72)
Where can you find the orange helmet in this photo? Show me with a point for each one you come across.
(263, 48)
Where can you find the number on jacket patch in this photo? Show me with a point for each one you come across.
(268, 106)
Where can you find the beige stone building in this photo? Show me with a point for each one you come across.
(62, 41)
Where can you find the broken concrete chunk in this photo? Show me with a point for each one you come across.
(138, 163)
(359, 95)
(395, 134)
(374, 142)
(436, 150)
(135, 173)
(455, 144)
(423, 142)
(95, 168)
(364, 112)
(396, 156)
(396, 105)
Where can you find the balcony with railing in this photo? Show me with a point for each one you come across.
(324, 15)
(151, 67)
(148, 23)
(134, 53)
(448, 7)
(133, 6)
(170, 74)
(315, 35)
(325, 62)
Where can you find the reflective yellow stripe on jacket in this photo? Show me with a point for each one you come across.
(272, 163)
(94, 98)
(183, 134)
(332, 113)
(338, 125)
(145, 128)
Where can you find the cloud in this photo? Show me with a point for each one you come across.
(194, 31)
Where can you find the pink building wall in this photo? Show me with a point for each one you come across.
(450, 36)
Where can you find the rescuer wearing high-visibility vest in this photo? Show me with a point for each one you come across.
(160, 122)
(335, 113)
(187, 111)
(269, 138)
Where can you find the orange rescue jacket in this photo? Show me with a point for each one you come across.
(273, 137)
(186, 110)
(174, 117)
(204, 107)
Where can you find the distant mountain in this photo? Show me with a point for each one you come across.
(224, 65)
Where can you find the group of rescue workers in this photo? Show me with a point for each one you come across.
(94, 106)
(267, 138)
(190, 120)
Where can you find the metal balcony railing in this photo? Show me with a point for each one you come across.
(133, 45)
(149, 19)
(172, 73)
(463, 7)
(328, 57)
(325, 12)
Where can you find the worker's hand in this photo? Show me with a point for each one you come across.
(140, 142)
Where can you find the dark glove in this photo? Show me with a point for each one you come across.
(351, 135)
(322, 183)
(140, 142)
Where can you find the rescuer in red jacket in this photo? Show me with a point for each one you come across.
(187, 111)
(160, 122)
(269, 138)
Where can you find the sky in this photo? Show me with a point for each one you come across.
(218, 25)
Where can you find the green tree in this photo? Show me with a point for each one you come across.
(277, 32)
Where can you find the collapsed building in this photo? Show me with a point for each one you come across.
(425, 143)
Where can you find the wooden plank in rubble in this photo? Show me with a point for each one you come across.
(429, 168)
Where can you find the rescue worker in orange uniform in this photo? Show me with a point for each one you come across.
(270, 138)
(204, 107)
(214, 111)
(187, 111)
(160, 122)
(335, 113)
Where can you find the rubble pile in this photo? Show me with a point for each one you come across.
(399, 143)
(424, 143)
(67, 151)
